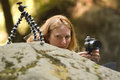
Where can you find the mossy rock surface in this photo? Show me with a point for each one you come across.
(32, 61)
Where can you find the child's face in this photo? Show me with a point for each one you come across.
(60, 37)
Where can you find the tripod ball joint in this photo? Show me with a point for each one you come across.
(19, 3)
(21, 7)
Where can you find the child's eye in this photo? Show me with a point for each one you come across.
(68, 36)
(58, 36)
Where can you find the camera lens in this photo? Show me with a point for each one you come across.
(97, 44)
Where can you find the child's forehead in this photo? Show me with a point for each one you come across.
(61, 30)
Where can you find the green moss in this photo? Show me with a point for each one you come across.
(38, 57)
(3, 59)
(96, 67)
(12, 73)
(18, 58)
(84, 60)
(60, 72)
(28, 66)
(8, 64)
(8, 74)
(8, 77)
(52, 59)
(87, 69)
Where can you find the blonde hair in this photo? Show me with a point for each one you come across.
(53, 23)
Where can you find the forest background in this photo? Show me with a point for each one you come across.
(96, 18)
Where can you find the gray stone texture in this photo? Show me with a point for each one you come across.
(32, 61)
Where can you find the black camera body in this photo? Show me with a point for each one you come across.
(91, 44)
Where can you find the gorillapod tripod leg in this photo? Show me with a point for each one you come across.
(34, 26)
(13, 31)
(29, 21)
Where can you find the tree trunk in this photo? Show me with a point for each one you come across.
(9, 21)
(8, 15)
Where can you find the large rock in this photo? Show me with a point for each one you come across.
(32, 61)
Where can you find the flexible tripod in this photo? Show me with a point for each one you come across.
(30, 21)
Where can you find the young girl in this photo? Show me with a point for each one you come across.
(58, 31)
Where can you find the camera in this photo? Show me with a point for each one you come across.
(91, 44)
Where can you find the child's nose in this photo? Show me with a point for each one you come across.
(63, 41)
